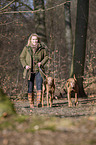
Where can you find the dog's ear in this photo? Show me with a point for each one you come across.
(53, 81)
(46, 79)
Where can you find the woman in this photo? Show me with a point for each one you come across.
(33, 58)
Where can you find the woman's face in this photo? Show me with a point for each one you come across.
(34, 40)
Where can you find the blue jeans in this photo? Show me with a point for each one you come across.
(39, 81)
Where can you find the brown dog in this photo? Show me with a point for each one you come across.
(49, 85)
(72, 86)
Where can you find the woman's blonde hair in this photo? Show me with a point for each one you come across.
(30, 37)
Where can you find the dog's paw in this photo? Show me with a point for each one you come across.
(76, 103)
(70, 105)
(39, 105)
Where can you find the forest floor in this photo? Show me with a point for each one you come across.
(58, 125)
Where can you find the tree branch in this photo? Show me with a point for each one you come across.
(7, 5)
(39, 10)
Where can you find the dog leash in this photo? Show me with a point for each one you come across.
(43, 72)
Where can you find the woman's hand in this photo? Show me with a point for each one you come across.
(28, 67)
(39, 63)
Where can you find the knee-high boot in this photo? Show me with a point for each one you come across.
(31, 99)
(39, 94)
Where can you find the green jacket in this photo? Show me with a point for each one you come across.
(27, 56)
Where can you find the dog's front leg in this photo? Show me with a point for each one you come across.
(43, 96)
(76, 99)
(69, 99)
(47, 95)
(51, 100)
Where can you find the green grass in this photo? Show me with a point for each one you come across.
(21, 118)
(6, 106)
(7, 123)
(37, 123)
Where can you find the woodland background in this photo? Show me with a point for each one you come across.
(14, 32)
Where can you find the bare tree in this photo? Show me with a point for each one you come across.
(40, 19)
(79, 50)
(68, 32)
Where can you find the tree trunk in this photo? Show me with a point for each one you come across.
(79, 50)
(68, 33)
(39, 17)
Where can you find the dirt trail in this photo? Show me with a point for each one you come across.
(59, 108)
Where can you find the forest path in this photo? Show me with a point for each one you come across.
(59, 108)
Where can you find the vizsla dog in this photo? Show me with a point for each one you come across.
(49, 85)
(72, 86)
